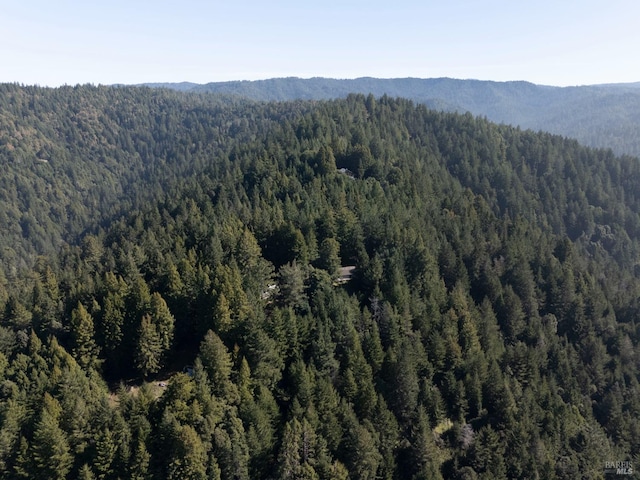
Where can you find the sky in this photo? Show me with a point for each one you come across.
(548, 42)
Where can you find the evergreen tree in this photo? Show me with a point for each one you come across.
(105, 454)
(221, 314)
(295, 459)
(291, 283)
(139, 466)
(85, 350)
(163, 320)
(231, 449)
(86, 473)
(51, 458)
(149, 348)
(329, 256)
(188, 461)
(23, 462)
(216, 361)
(362, 457)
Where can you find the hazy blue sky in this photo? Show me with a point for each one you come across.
(553, 42)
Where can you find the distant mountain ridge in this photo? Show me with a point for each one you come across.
(604, 116)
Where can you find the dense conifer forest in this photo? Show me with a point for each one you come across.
(174, 302)
(602, 116)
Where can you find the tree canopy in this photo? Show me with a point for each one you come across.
(171, 307)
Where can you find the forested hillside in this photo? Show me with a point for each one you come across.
(173, 306)
(604, 116)
(76, 155)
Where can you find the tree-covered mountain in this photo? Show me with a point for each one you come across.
(189, 319)
(604, 116)
(74, 156)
